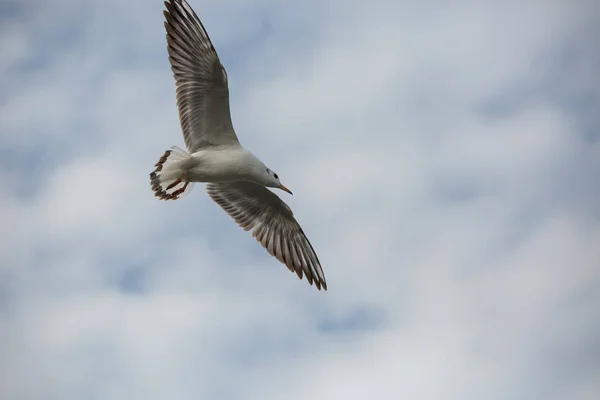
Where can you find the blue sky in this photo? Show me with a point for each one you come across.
(445, 161)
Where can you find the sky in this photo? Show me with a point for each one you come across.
(444, 159)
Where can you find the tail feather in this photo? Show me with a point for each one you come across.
(168, 178)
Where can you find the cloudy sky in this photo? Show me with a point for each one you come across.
(445, 161)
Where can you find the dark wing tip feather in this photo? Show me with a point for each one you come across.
(183, 15)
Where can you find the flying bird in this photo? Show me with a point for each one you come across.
(236, 179)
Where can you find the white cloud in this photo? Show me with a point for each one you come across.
(442, 167)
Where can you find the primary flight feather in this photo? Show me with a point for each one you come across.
(236, 179)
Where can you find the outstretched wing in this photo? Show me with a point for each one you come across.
(201, 80)
(272, 222)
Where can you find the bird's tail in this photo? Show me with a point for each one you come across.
(168, 178)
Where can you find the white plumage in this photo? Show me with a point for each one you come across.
(237, 180)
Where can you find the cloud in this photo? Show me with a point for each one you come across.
(444, 162)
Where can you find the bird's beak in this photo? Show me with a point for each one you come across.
(285, 189)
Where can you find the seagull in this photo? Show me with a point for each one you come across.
(235, 178)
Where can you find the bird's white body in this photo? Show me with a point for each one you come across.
(223, 165)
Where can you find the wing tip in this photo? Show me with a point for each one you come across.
(320, 284)
(316, 281)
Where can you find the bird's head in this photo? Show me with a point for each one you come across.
(272, 180)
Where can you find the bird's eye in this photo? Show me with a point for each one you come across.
(275, 175)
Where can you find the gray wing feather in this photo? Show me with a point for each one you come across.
(272, 222)
(201, 80)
